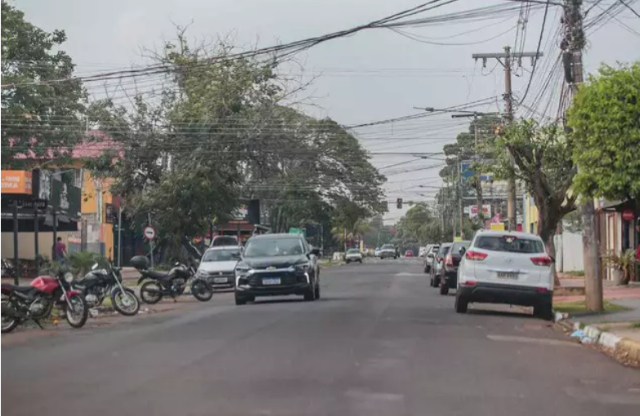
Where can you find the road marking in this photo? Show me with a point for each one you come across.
(526, 340)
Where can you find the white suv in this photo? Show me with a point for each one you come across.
(506, 267)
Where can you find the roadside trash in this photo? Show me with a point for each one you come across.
(578, 334)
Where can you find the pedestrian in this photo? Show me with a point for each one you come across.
(60, 251)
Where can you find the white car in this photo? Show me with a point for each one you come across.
(354, 255)
(506, 267)
(218, 264)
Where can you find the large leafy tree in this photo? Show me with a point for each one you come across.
(218, 130)
(605, 123)
(39, 117)
(542, 156)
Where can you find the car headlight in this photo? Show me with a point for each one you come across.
(302, 267)
(243, 269)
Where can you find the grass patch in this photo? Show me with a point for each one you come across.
(580, 306)
(579, 273)
(635, 325)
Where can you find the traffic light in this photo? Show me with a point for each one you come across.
(399, 203)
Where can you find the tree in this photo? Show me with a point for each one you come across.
(542, 156)
(217, 131)
(605, 123)
(42, 120)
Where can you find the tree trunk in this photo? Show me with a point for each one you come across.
(548, 219)
(592, 279)
(479, 202)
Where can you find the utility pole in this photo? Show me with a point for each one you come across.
(460, 206)
(505, 59)
(572, 45)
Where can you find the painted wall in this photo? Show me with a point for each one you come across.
(26, 246)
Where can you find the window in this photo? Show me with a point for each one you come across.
(224, 241)
(221, 255)
(352, 251)
(274, 247)
(455, 249)
(509, 244)
(444, 251)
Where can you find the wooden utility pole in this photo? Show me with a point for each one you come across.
(572, 45)
(505, 59)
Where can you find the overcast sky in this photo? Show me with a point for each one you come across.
(373, 75)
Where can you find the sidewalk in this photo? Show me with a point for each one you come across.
(616, 332)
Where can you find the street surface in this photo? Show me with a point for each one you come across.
(379, 342)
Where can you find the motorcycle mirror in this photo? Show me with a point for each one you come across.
(95, 266)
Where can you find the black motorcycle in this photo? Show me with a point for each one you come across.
(156, 285)
(102, 282)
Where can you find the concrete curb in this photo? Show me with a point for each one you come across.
(613, 344)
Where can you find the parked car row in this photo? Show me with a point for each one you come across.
(495, 267)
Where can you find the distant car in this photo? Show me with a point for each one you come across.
(377, 251)
(438, 263)
(224, 240)
(506, 267)
(408, 253)
(353, 254)
(449, 277)
(276, 265)
(388, 251)
(429, 258)
(218, 265)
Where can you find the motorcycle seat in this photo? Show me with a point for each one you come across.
(157, 275)
(17, 288)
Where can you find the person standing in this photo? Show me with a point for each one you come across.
(60, 251)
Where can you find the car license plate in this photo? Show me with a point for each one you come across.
(220, 280)
(271, 281)
(508, 275)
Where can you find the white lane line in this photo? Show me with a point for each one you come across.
(539, 341)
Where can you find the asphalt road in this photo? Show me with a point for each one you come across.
(379, 342)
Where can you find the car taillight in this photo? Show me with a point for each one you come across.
(541, 261)
(542, 290)
(469, 283)
(448, 260)
(475, 255)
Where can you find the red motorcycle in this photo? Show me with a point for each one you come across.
(36, 302)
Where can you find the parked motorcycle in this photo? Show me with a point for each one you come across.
(102, 282)
(156, 285)
(36, 301)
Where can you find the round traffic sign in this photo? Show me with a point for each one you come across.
(149, 233)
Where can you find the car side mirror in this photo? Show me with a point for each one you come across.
(315, 251)
(462, 251)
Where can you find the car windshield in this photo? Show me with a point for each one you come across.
(455, 249)
(387, 246)
(352, 251)
(510, 244)
(221, 255)
(274, 247)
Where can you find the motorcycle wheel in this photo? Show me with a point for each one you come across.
(79, 312)
(150, 292)
(125, 302)
(9, 323)
(201, 290)
(180, 289)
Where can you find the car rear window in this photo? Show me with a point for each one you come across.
(455, 248)
(509, 244)
(353, 251)
(444, 251)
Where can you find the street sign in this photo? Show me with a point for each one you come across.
(149, 233)
(627, 215)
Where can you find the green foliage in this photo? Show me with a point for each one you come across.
(542, 156)
(625, 262)
(219, 130)
(80, 263)
(39, 118)
(605, 118)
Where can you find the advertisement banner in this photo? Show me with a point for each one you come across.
(16, 182)
(486, 211)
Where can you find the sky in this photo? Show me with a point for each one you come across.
(373, 75)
